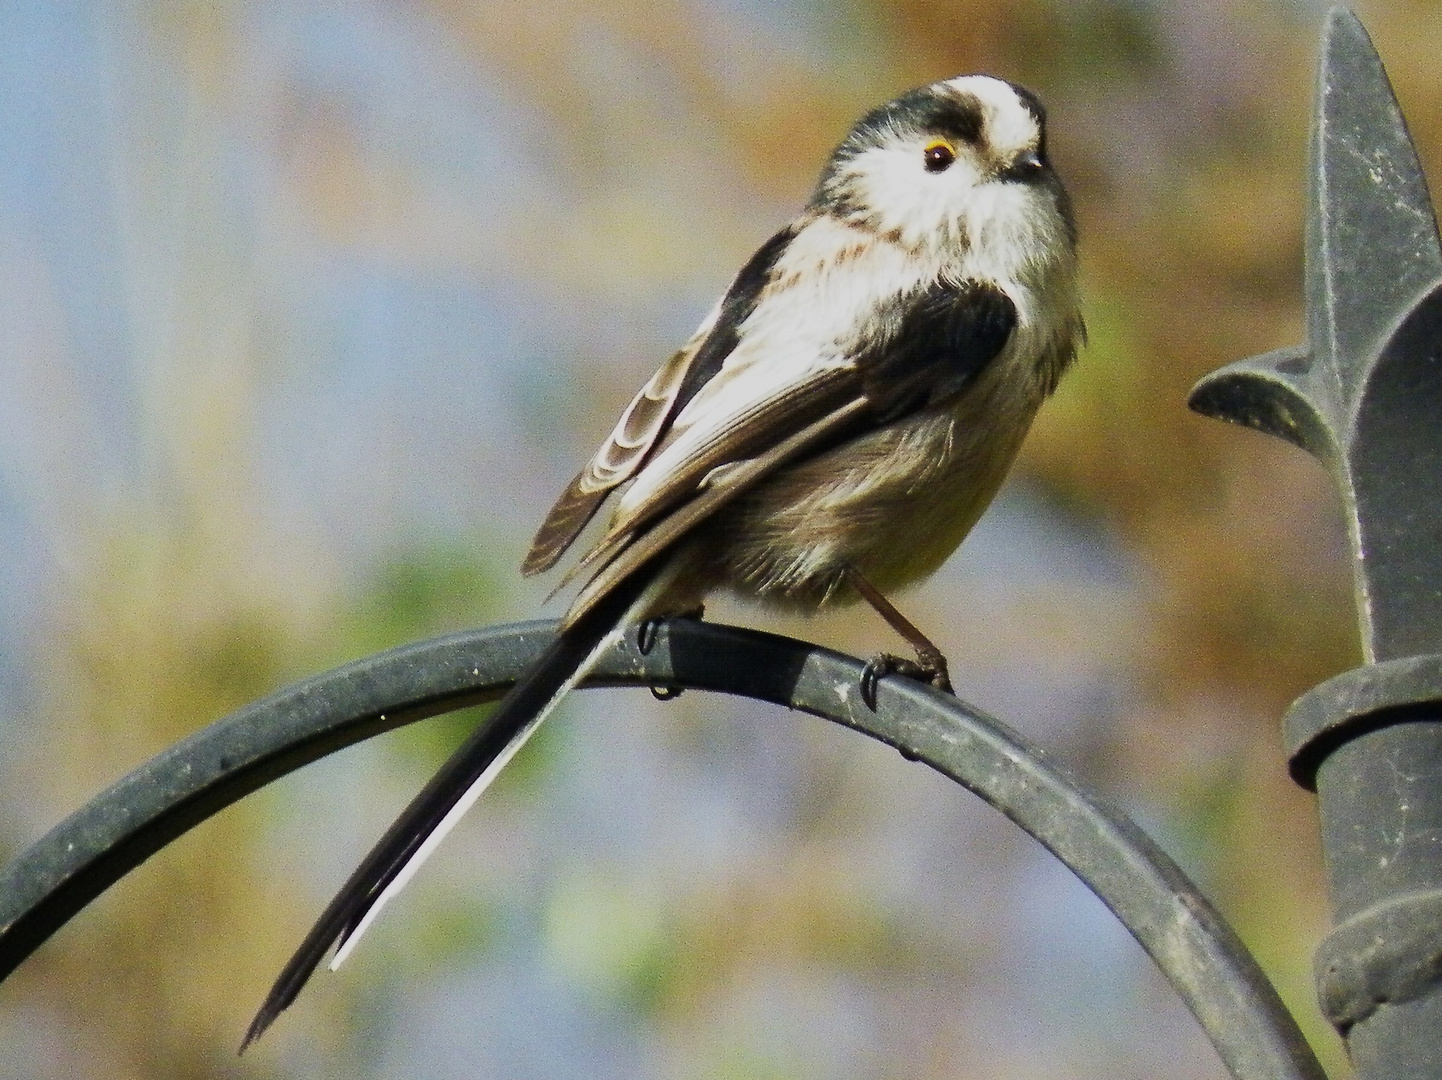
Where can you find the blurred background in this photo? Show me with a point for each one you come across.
(307, 310)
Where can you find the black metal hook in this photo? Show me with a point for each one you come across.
(1200, 954)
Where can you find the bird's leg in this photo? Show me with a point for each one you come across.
(650, 628)
(929, 665)
(646, 635)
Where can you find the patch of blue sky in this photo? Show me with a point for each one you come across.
(1025, 540)
(678, 792)
(23, 556)
(411, 90)
(1078, 970)
(620, 72)
(805, 32)
(57, 212)
(411, 415)
(514, 1020)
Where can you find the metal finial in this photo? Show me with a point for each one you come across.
(1365, 393)
(1372, 246)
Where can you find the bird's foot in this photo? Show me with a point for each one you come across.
(928, 667)
(646, 635)
(650, 629)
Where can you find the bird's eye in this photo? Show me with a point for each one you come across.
(938, 155)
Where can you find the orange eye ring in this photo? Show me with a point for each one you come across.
(938, 155)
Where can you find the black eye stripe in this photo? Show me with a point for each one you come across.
(958, 118)
(960, 121)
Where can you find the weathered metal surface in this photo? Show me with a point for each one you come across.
(1365, 396)
(1202, 957)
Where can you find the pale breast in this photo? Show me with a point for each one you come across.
(893, 503)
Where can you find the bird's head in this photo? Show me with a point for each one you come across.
(957, 164)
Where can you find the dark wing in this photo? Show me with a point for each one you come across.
(651, 411)
(933, 344)
(922, 352)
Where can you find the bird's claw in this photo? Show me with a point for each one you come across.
(650, 629)
(646, 635)
(929, 667)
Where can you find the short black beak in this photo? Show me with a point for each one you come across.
(1028, 166)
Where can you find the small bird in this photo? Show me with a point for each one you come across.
(832, 430)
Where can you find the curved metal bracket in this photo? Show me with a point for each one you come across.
(1207, 964)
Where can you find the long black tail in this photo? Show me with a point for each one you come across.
(513, 717)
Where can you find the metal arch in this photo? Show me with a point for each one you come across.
(1199, 953)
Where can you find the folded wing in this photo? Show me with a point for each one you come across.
(649, 415)
(921, 354)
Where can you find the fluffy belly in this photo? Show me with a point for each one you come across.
(893, 504)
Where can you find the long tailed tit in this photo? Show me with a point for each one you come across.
(832, 430)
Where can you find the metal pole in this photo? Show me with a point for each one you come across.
(1365, 396)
